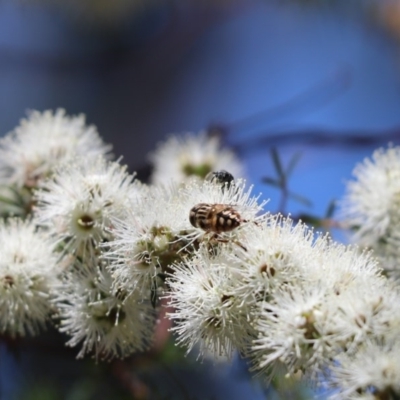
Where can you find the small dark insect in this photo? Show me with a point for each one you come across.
(215, 218)
(224, 178)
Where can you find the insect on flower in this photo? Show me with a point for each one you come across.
(224, 178)
(215, 218)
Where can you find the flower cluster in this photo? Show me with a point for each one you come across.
(41, 142)
(370, 210)
(99, 253)
(371, 206)
(182, 158)
(28, 270)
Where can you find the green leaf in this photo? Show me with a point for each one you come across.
(310, 220)
(21, 199)
(7, 201)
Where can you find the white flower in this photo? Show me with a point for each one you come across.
(108, 325)
(339, 267)
(27, 273)
(367, 311)
(207, 309)
(338, 299)
(78, 204)
(276, 252)
(372, 373)
(293, 330)
(41, 142)
(157, 231)
(372, 204)
(181, 158)
(146, 240)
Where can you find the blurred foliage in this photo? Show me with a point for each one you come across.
(281, 181)
(289, 388)
(384, 14)
(116, 15)
(387, 13)
(50, 371)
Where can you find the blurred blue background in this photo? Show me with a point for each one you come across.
(318, 77)
(329, 70)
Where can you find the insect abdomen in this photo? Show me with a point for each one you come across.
(226, 220)
(200, 216)
(214, 217)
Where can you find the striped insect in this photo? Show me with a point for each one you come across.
(217, 218)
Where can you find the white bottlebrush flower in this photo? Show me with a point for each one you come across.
(293, 331)
(148, 239)
(27, 273)
(276, 252)
(367, 311)
(338, 299)
(104, 324)
(207, 309)
(372, 373)
(339, 267)
(371, 205)
(39, 143)
(185, 157)
(79, 203)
